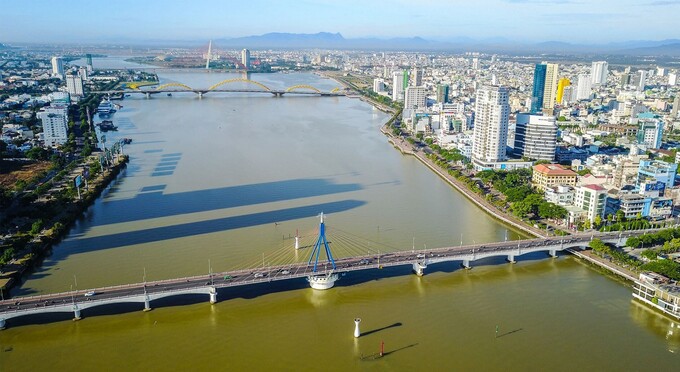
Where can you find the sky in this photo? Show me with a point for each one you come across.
(577, 21)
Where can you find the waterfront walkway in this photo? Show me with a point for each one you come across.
(408, 149)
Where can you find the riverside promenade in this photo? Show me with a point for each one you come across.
(407, 149)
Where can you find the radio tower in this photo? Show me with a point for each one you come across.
(207, 60)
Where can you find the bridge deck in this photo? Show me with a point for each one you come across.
(199, 284)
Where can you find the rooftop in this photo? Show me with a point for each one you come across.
(553, 170)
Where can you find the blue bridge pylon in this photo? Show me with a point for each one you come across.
(321, 241)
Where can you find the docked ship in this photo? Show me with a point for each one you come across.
(105, 108)
(106, 126)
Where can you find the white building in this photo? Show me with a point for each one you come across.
(642, 76)
(672, 78)
(415, 98)
(55, 127)
(74, 85)
(650, 132)
(598, 72)
(550, 88)
(378, 85)
(491, 127)
(417, 77)
(535, 137)
(562, 195)
(583, 87)
(83, 72)
(58, 67)
(245, 58)
(397, 85)
(591, 199)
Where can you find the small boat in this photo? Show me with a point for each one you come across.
(169, 94)
(90, 293)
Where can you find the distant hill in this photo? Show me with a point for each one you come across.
(672, 49)
(325, 40)
(328, 40)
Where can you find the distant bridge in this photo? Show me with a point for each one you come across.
(257, 87)
(319, 275)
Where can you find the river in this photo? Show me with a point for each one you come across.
(225, 181)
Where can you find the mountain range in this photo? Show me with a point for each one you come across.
(327, 40)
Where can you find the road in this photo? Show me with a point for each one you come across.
(274, 273)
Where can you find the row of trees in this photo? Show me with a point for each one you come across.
(524, 201)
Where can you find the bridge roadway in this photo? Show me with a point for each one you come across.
(76, 301)
(201, 92)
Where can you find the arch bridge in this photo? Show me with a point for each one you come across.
(223, 87)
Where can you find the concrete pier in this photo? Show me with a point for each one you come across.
(511, 258)
(419, 268)
(76, 313)
(147, 303)
(466, 264)
(213, 295)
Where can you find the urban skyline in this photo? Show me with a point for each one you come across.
(551, 20)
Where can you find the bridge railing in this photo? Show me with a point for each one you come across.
(552, 240)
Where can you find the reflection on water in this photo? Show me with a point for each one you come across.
(662, 326)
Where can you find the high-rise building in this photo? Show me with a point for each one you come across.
(397, 85)
(583, 87)
(650, 132)
(475, 63)
(83, 72)
(568, 95)
(642, 80)
(563, 83)
(535, 137)
(245, 58)
(442, 93)
(58, 67)
(415, 98)
(74, 85)
(378, 85)
(417, 77)
(55, 127)
(672, 78)
(550, 89)
(599, 72)
(404, 79)
(492, 112)
(88, 60)
(545, 87)
(539, 87)
(676, 106)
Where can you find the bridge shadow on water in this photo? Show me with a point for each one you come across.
(80, 245)
(146, 205)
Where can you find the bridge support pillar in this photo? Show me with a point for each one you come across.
(511, 258)
(147, 303)
(76, 313)
(200, 95)
(2, 323)
(466, 264)
(552, 253)
(419, 268)
(213, 295)
(148, 95)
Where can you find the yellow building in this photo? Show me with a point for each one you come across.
(549, 175)
(564, 82)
